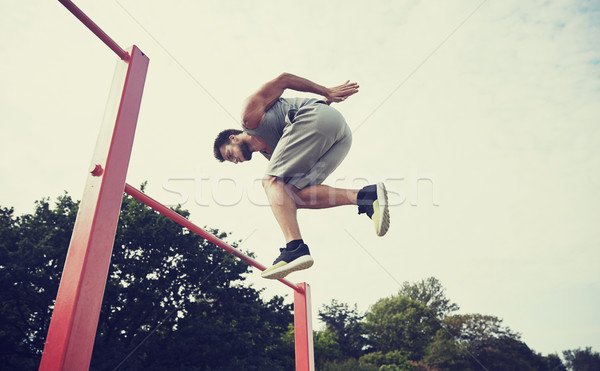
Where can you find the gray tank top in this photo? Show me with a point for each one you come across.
(271, 128)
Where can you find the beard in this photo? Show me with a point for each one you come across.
(246, 152)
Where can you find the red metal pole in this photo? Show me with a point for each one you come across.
(143, 198)
(303, 334)
(95, 29)
(75, 317)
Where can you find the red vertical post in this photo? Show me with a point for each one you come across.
(75, 317)
(303, 334)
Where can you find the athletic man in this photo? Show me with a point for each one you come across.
(304, 140)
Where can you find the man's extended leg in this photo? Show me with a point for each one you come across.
(283, 206)
(295, 256)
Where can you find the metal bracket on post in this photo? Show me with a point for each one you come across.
(303, 334)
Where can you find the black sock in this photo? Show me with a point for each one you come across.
(365, 199)
(292, 245)
(367, 195)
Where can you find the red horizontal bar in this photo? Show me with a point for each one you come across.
(143, 198)
(95, 29)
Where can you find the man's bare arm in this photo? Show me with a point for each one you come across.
(258, 103)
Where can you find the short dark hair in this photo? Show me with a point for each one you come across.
(223, 138)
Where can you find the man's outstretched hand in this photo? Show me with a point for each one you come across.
(340, 93)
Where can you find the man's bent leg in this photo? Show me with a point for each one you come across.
(371, 200)
(322, 196)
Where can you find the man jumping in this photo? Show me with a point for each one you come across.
(304, 140)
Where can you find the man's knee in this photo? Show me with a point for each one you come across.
(275, 184)
(268, 181)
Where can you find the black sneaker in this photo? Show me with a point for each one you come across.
(288, 262)
(373, 201)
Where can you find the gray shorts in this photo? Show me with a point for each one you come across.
(315, 140)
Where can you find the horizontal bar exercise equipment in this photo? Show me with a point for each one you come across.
(74, 321)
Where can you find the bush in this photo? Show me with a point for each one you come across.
(394, 360)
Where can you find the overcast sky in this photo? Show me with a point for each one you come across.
(481, 116)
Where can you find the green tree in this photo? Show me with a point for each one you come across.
(476, 329)
(160, 274)
(326, 348)
(431, 293)
(325, 344)
(582, 360)
(32, 254)
(552, 362)
(474, 341)
(346, 323)
(400, 323)
(395, 360)
(446, 353)
(348, 364)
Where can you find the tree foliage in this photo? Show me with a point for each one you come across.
(430, 292)
(400, 323)
(475, 341)
(159, 274)
(175, 301)
(346, 324)
(326, 348)
(582, 360)
(32, 254)
(394, 360)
